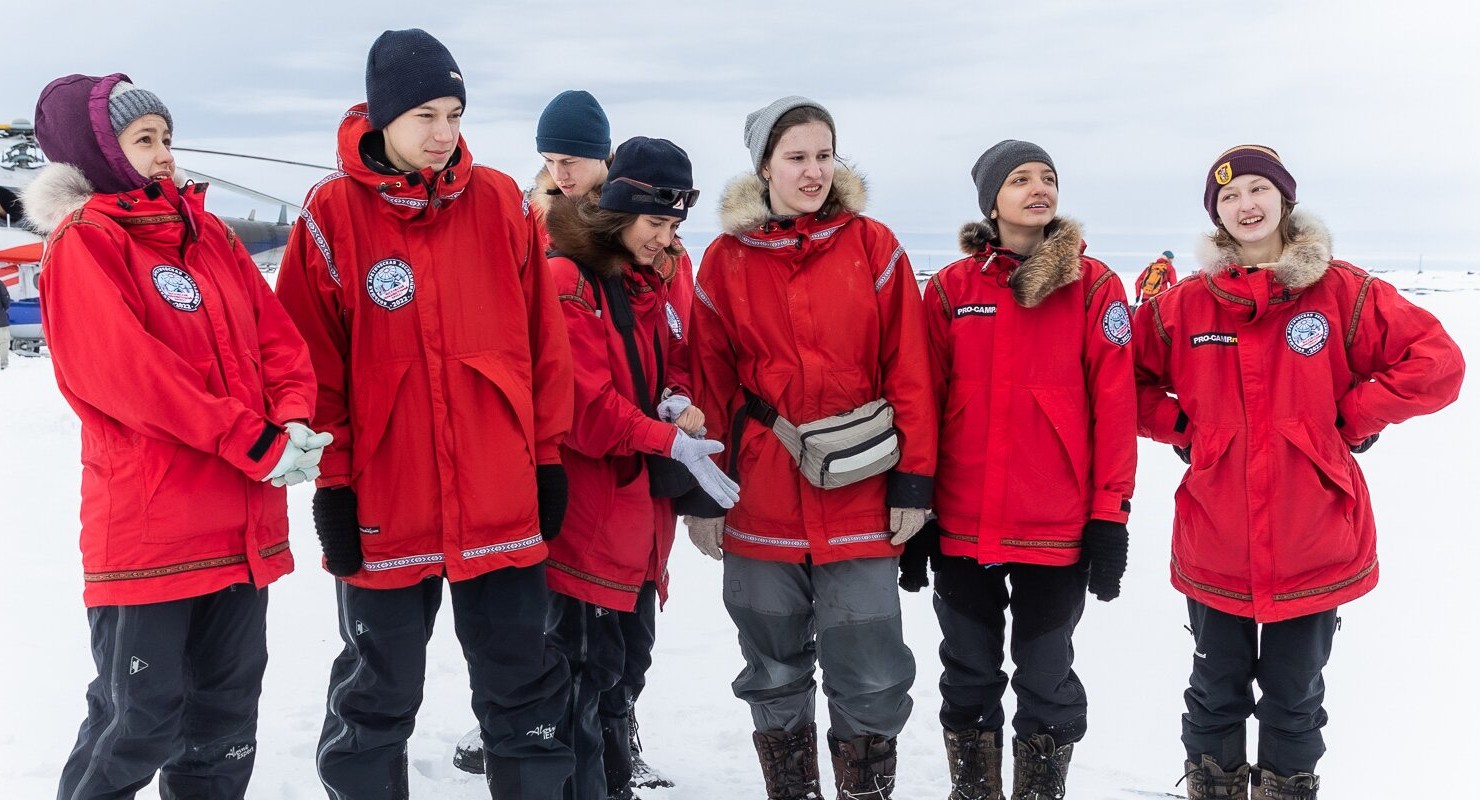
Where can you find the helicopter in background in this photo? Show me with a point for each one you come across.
(21, 160)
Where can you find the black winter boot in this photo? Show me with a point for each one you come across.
(1269, 786)
(975, 759)
(1208, 781)
(1039, 768)
(616, 757)
(789, 763)
(863, 768)
(643, 775)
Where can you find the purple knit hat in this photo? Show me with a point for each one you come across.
(73, 127)
(1246, 159)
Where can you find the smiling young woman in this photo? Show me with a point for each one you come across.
(1267, 371)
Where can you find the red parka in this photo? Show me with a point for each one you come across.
(1031, 360)
(443, 365)
(816, 316)
(616, 534)
(1269, 374)
(182, 367)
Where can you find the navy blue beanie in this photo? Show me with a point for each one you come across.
(405, 69)
(655, 162)
(574, 124)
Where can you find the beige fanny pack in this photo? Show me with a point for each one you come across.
(838, 450)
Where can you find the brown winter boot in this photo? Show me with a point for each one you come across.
(1300, 786)
(1208, 781)
(789, 763)
(863, 767)
(975, 759)
(1039, 768)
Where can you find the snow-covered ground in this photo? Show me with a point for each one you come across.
(1401, 706)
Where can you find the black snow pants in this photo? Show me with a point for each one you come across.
(1046, 603)
(1286, 658)
(520, 685)
(176, 693)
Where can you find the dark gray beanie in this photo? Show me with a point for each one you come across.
(405, 69)
(574, 124)
(127, 102)
(997, 163)
(759, 123)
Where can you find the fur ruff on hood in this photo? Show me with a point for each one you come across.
(1305, 259)
(573, 238)
(1056, 263)
(745, 205)
(57, 192)
(543, 191)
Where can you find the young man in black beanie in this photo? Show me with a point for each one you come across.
(444, 372)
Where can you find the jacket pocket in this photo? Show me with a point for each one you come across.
(492, 423)
(1048, 474)
(190, 495)
(1313, 521)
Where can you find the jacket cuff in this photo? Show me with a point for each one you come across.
(908, 490)
(254, 447)
(1110, 507)
(697, 503)
(1355, 426)
(1169, 425)
(293, 408)
(655, 437)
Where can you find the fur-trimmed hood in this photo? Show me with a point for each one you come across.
(1056, 263)
(543, 192)
(1305, 259)
(572, 236)
(744, 206)
(58, 191)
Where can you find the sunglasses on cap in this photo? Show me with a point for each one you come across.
(661, 195)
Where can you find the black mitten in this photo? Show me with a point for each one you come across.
(1184, 453)
(1364, 445)
(1103, 552)
(553, 491)
(336, 517)
(918, 552)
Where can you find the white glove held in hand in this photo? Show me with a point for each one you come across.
(707, 534)
(300, 460)
(672, 406)
(905, 522)
(695, 454)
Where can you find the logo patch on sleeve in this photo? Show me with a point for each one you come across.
(675, 325)
(1307, 332)
(1214, 337)
(977, 310)
(1117, 323)
(176, 287)
(390, 283)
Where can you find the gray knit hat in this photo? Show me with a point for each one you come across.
(997, 163)
(127, 102)
(759, 123)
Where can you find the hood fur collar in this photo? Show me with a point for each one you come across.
(58, 191)
(1055, 265)
(1305, 259)
(744, 205)
(573, 238)
(543, 192)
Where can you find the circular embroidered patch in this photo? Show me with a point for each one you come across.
(176, 287)
(1117, 323)
(1307, 332)
(390, 283)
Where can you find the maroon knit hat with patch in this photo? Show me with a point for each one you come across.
(1246, 159)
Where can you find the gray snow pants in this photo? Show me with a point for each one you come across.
(1287, 659)
(843, 615)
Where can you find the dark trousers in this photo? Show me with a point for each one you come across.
(608, 651)
(1286, 658)
(1046, 604)
(520, 685)
(176, 692)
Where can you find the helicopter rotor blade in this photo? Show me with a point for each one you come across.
(252, 157)
(253, 193)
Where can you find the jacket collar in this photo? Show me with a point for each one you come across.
(1305, 259)
(408, 195)
(1056, 264)
(170, 211)
(745, 212)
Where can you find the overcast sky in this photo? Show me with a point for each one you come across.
(1375, 106)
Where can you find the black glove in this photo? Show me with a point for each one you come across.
(553, 492)
(336, 517)
(1103, 553)
(919, 551)
(1362, 446)
(1184, 453)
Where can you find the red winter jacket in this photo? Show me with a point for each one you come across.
(1033, 374)
(816, 317)
(616, 534)
(182, 366)
(443, 365)
(1277, 370)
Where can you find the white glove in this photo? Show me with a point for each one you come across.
(695, 454)
(707, 534)
(672, 406)
(905, 522)
(300, 460)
